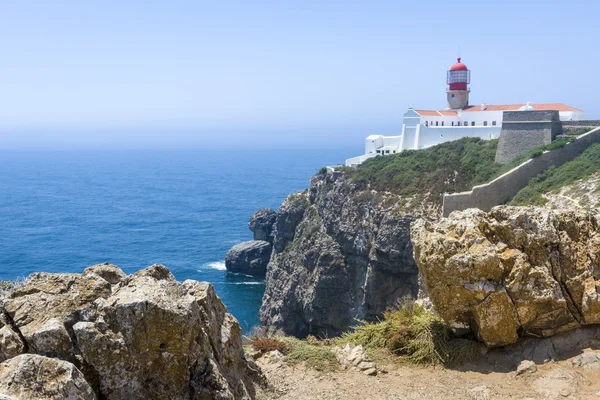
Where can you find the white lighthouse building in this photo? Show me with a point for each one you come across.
(425, 128)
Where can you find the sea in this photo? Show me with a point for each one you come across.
(61, 211)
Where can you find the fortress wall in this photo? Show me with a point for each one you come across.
(581, 124)
(523, 131)
(508, 185)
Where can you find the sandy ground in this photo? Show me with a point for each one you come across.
(554, 380)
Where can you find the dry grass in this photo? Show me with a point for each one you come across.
(414, 335)
(266, 344)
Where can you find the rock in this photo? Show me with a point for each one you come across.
(513, 270)
(110, 273)
(526, 367)
(146, 337)
(341, 252)
(273, 357)
(354, 357)
(262, 224)
(587, 360)
(558, 383)
(370, 372)
(250, 258)
(39, 308)
(34, 377)
(11, 344)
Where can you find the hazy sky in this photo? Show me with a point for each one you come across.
(191, 73)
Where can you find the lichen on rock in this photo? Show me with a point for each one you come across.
(513, 271)
(139, 336)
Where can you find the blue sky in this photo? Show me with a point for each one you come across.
(281, 73)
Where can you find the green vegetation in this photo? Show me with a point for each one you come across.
(414, 335)
(314, 354)
(410, 334)
(553, 178)
(448, 167)
(578, 131)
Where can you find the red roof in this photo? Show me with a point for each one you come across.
(498, 107)
(458, 66)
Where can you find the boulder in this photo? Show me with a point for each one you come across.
(110, 273)
(39, 308)
(250, 258)
(513, 271)
(147, 336)
(262, 224)
(35, 377)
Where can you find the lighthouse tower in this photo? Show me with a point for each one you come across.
(458, 78)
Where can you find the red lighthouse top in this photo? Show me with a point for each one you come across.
(459, 76)
(459, 66)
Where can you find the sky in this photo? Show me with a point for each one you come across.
(200, 74)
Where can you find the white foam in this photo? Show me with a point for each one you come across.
(220, 265)
(247, 283)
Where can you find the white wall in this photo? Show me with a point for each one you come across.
(432, 136)
(372, 143)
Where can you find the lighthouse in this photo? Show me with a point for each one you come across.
(457, 79)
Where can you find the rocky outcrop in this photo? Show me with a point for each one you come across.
(341, 252)
(250, 258)
(35, 377)
(515, 271)
(262, 223)
(139, 336)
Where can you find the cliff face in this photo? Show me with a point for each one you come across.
(341, 252)
(513, 271)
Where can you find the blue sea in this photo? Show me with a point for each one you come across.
(66, 210)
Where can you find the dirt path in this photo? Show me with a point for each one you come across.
(555, 380)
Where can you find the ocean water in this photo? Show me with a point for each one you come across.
(64, 211)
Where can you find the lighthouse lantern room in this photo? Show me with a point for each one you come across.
(458, 78)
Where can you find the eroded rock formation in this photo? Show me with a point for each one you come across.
(250, 258)
(139, 336)
(341, 252)
(513, 271)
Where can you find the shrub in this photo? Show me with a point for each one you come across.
(554, 178)
(266, 344)
(314, 353)
(415, 335)
(448, 167)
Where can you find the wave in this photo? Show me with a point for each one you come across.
(220, 265)
(245, 283)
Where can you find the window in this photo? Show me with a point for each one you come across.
(484, 123)
(394, 151)
(436, 123)
(466, 123)
(442, 123)
(452, 94)
(472, 123)
(494, 123)
(452, 123)
(387, 152)
(426, 123)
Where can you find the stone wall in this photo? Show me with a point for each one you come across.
(581, 124)
(522, 131)
(508, 185)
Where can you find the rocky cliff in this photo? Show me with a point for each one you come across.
(120, 337)
(515, 271)
(341, 252)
